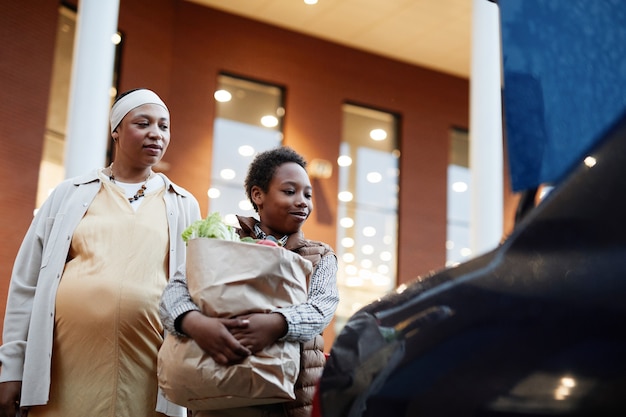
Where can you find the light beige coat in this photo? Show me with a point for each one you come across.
(29, 319)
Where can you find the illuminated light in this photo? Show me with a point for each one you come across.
(366, 263)
(214, 193)
(344, 161)
(246, 150)
(245, 205)
(356, 307)
(310, 2)
(354, 282)
(320, 168)
(561, 393)
(222, 96)
(374, 177)
(347, 242)
(280, 112)
(378, 134)
(369, 231)
(459, 187)
(449, 244)
(367, 249)
(466, 252)
(381, 280)
(348, 257)
(590, 161)
(365, 274)
(345, 196)
(116, 38)
(545, 190)
(227, 174)
(346, 222)
(385, 256)
(383, 269)
(231, 219)
(269, 121)
(568, 382)
(351, 270)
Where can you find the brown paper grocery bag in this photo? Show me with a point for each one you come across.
(227, 279)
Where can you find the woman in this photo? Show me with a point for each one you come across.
(82, 327)
(280, 191)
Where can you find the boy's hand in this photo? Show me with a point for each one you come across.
(263, 330)
(214, 336)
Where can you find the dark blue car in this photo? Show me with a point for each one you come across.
(536, 327)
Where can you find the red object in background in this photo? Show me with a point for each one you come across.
(316, 411)
(317, 408)
(267, 242)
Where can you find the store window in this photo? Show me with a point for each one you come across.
(367, 220)
(459, 183)
(249, 119)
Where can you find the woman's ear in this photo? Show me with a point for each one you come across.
(115, 135)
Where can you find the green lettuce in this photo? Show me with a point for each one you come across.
(212, 227)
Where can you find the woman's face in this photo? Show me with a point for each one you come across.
(143, 136)
(287, 204)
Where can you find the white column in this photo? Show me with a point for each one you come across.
(92, 77)
(486, 147)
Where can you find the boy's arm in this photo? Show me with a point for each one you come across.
(176, 302)
(182, 317)
(305, 321)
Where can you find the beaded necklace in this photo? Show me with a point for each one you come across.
(140, 192)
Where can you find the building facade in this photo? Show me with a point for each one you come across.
(180, 49)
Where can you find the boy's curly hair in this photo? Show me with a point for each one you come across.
(263, 166)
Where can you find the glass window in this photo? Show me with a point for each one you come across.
(459, 182)
(248, 120)
(367, 215)
(52, 170)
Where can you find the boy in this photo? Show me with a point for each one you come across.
(280, 191)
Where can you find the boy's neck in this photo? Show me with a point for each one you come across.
(261, 234)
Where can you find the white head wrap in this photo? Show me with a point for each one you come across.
(130, 101)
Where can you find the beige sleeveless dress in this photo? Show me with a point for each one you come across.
(107, 326)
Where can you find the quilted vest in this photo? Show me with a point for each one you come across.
(312, 358)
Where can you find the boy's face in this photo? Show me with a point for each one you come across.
(288, 201)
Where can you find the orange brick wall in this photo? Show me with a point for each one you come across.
(319, 77)
(178, 48)
(28, 35)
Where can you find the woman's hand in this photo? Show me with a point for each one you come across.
(9, 398)
(214, 336)
(263, 330)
